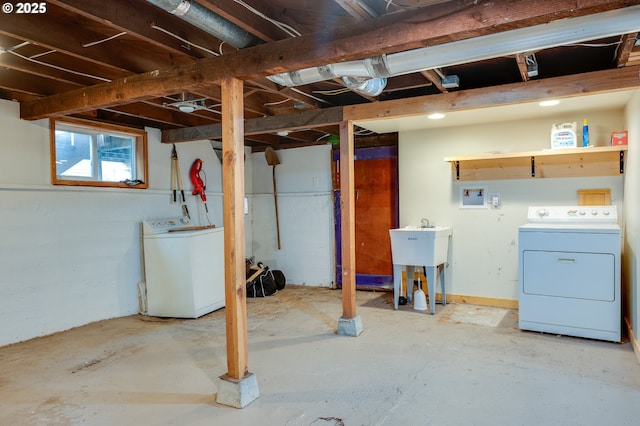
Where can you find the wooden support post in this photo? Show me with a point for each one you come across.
(237, 387)
(349, 324)
(233, 214)
(347, 213)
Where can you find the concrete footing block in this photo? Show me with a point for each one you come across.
(350, 326)
(237, 393)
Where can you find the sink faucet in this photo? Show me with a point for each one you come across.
(424, 223)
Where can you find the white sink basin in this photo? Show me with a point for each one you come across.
(420, 246)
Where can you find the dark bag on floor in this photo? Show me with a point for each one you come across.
(279, 278)
(261, 282)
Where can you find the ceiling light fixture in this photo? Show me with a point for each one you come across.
(186, 105)
(550, 102)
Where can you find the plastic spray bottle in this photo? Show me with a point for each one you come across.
(585, 133)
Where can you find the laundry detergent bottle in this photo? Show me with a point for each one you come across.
(585, 133)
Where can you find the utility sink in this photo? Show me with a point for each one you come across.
(420, 246)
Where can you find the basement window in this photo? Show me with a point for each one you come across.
(85, 153)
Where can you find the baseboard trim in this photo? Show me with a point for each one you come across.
(482, 301)
(635, 343)
(471, 300)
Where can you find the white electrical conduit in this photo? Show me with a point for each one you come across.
(368, 73)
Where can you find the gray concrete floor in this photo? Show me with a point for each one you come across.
(406, 368)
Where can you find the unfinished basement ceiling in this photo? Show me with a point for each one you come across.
(47, 58)
(521, 111)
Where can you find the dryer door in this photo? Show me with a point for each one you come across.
(587, 276)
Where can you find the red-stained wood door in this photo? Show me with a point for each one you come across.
(376, 211)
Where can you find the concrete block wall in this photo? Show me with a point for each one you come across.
(73, 255)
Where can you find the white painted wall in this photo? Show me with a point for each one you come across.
(632, 218)
(305, 210)
(72, 255)
(484, 255)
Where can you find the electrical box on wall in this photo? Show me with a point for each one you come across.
(493, 199)
(473, 197)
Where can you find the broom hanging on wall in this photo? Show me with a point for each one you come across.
(273, 160)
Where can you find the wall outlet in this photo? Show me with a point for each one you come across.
(494, 199)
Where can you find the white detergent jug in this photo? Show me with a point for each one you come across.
(563, 135)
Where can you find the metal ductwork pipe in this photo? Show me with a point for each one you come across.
(557, 33)
(371, 86)
(367, 77)
(201, 17)
(214, 24)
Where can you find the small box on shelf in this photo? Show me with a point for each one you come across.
(619, 138)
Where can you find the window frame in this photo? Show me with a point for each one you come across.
(140, 152)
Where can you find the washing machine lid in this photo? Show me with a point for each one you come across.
(163, 226)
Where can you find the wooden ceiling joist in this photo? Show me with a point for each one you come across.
(302, 120)
(584, 84)
(627, 44)
(142, 20)
(531, 91)
(387, 34)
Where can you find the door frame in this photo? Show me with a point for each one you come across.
(364, 281)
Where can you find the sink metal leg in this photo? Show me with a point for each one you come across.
(397, 284)
(431, 285)
(442, 284)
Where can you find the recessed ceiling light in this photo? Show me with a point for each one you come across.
(550, 102)
(436, 116)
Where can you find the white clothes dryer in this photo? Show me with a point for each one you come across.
(569, 272)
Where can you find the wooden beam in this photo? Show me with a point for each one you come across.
(576, 85)
(143, 21)
(535, 90)
(437, 24)
(627, 43)
(302, 120)
(248, 21)
(521, 61)
(234, 235)
(435, 79)
(348, 220)
(297, 95)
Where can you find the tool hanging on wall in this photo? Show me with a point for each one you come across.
(273, 160)
(199, 186)
(176, 182)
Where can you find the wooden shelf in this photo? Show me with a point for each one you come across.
(548, 163)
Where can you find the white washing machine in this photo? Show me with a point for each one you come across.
(184, 268)
(569, 272)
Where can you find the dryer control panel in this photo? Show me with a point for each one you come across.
(572, 214)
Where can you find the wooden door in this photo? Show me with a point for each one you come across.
(376, 205)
